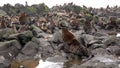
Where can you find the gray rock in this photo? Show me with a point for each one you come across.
(2, 13)
(57, 37)
(110, 40)
(94, 46)
(2, 59)
(43, 42)
(86, 39)
(57, 58)
(21, 57)
(30, 49)
(114, 50)
(7, 44)
(8, 50)
(36, 31)
(4, 33)
(106, 61)
(100, 51)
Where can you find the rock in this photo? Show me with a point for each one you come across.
(99, 34)
(100, 51)
(36, 31)
(57, 37)
(7, 44)
(88, 39)
(4, 33)
(110, 41)
(2, 13)
(57, 58)
(12, 36)
(36, 40)
(25, 37)
(95, 46)
(2, 65)
(30, 49)
(114, 50)
(46, 49)
(9, 49)
(43, 42)
(28, 63)
(99, 62)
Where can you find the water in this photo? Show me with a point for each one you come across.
(49, 64)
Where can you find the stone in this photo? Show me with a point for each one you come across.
(100, 51)
(43, 42)
(114, 50)
(7, 44)
(36, 31)
(95, 46)
(110, 41)
(25, 37)
(57, 37)
(4, 33)
(30, 49)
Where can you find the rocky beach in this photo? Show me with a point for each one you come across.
(64, 36)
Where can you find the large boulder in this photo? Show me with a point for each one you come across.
(8, 50)
(30, 48)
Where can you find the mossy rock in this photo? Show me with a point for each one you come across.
(2, 13)
(25, 37)
(4, 33)
(7, 44)
(88, 17)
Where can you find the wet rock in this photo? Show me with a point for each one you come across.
(57, 58)
(28, 63)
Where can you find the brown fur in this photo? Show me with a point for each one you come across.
(67, 35)
(22, 18)
(72, 45)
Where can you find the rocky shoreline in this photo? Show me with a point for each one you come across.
(66, 39)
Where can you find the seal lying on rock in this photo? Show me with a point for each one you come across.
(72, 45)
